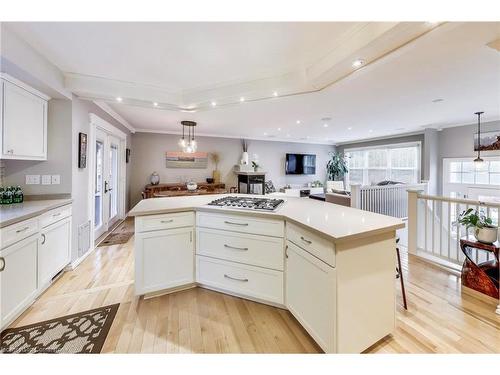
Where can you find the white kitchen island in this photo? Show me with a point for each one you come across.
(332, 267)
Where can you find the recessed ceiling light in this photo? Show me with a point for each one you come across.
(325, 125)
(155, 104)
(242, 99)
(279, 129)
(265, 133)
(119, 99)
(438, 100)
(349, 128)
(298, 122)
(358, 63)
(275, 93)
(213, 104)
(370, 131)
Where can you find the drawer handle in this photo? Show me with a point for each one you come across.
(166, 221)
(305, 240)
(236, 248)
(22, 230)
(241, 224)
(2, 264)
(56, 215)
(235, 278)
(43, 238)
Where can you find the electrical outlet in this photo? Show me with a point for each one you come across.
(46, 179)
(32, 179)
(56, 179)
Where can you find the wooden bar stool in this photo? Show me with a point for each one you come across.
(399, 275)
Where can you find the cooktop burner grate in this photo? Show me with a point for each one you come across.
(261, 204)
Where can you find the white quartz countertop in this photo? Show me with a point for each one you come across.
(334, 221)
(14, 213)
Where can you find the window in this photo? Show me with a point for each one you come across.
(398, 162)
(462, 179)
(464, 172)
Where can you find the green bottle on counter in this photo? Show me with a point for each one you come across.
(18, 196)
(7, 196)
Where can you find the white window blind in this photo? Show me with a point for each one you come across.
(371, 165)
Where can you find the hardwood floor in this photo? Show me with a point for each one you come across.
(440, 319)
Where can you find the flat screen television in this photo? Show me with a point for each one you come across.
(300, 164)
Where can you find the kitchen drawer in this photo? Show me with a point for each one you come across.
(52, 216)
(263, 251)
(315, 244)
(241, 223)
(16, 232)
(164, 221)
(260, 283)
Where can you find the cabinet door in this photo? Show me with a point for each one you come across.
(311, 296)
(164, 259)
(18, 280)
(24, 130)
(54, 251)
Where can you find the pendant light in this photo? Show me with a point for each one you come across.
(188, 144)
(478, 162)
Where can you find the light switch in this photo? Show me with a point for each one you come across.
(32, 179)
(56, 179)
(46, 179)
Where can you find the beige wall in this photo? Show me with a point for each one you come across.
(148, 155)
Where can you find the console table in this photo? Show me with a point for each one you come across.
(177, 189)
(482, 277)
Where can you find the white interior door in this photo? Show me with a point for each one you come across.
(107, 176)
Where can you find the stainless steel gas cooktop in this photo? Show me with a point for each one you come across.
(260, 204)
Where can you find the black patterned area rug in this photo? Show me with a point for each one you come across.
(83, 332)
(116, 239)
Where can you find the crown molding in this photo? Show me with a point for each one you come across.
(106, 108)
(267, 139)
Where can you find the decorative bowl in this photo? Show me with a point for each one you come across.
(191, 186)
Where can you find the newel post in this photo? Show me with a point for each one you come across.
(356, 195)
(412, 220)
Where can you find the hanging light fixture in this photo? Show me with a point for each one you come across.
(478, 162)
(188, 144)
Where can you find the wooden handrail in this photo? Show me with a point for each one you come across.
(470, 202)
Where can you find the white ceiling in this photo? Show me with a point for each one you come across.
(391, 95)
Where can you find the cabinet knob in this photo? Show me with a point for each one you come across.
(2, 264)
(43, 238)
(11, 151)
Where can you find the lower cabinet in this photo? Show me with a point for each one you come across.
(311, 295)
(164, 259)
(18, 278)
(54, 250)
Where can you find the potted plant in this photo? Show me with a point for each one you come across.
(484, 230)
(255, 166)
(215, 156)
(336, 167)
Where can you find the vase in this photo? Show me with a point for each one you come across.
(155, 178)
(216, 176)
(486, 235)
(244, 158)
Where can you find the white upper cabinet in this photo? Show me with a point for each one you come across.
(23, 121)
